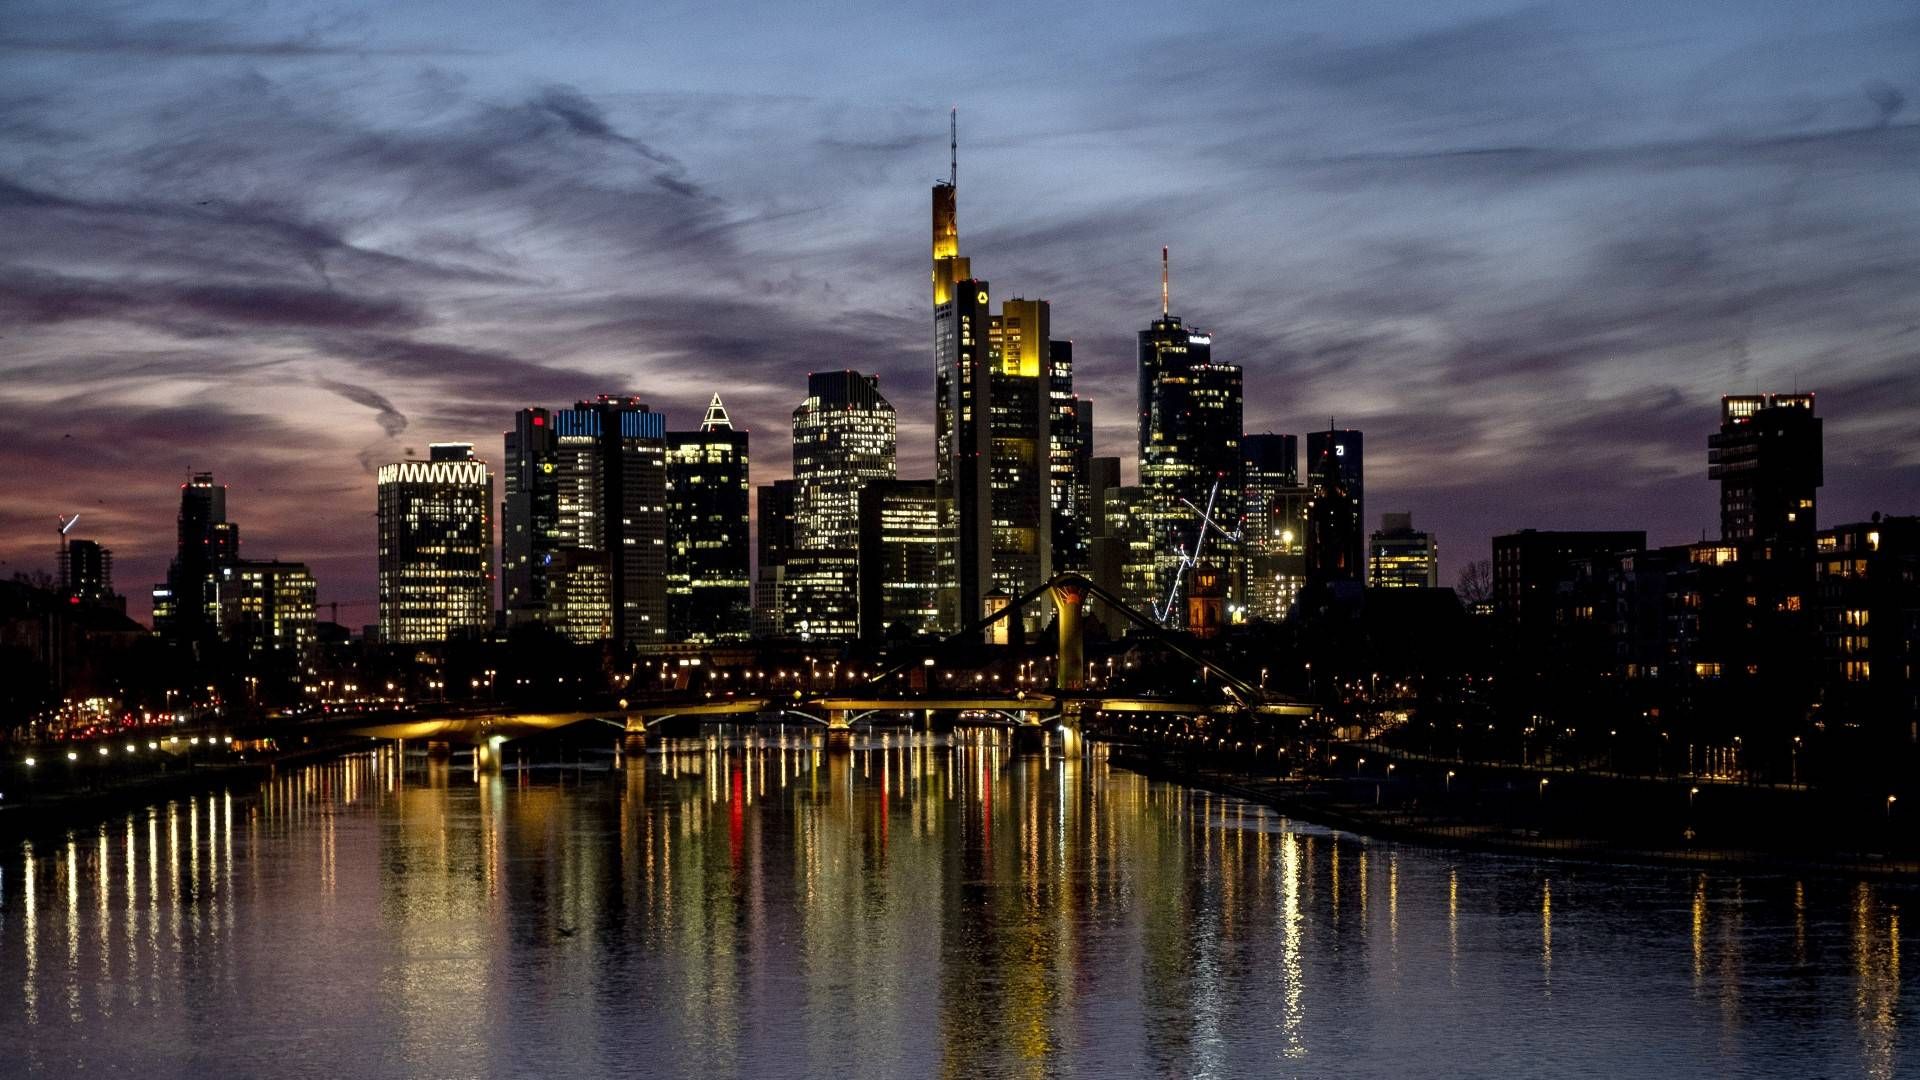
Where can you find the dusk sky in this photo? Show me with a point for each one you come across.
(1524, 249)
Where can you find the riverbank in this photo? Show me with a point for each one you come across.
(1329, 803)
(57, 811)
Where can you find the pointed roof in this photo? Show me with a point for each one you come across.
(717, 418)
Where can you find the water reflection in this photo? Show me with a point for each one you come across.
(757, 905)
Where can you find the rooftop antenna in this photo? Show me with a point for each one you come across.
(1163, 281)
(953, 147)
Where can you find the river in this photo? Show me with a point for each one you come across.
(753, 905)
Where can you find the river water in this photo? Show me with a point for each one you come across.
(752, 905)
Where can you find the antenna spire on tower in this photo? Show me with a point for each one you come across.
(1163, 281)
(953, 147)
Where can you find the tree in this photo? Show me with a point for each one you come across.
(1475, 586)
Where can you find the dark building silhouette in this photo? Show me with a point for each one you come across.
(1767, 458)
(774, 508)
(1336, 508)
(1867, 598)
(1528, 567)
(86, 574)
(187, 607)
(709, 590)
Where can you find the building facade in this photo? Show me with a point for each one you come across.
(1275, 525)
(1402, 557)
(1767, 457)
(899, 560)
(585, 521)
(436, 547)
(774, 504)
(1189, 430)
(186, 608)
(709, 590)
(844, 436)
(1336, 508)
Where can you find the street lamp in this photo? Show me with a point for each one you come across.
(1691, 792)
(1449, 781)
(1890, 802)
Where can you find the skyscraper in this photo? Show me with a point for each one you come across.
(1767, 457)
(775, 503)
(1402, 557)
(843, 436)
(86, 573)
(1336, 477)
(1020, 470)
(1000, 384)
(1070, 437)
(1275, 526)
(899, 559)
(585, 521)
(1189, 438)
(963, 443)
(436, 546)
(187, 607)
(709, 593)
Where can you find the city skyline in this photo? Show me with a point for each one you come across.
(378, 322)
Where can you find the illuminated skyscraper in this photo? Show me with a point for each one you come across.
(709, 593)
(436, 547)
(1189, 429)
(1000, 382)
(585, 530)
(899, 559)
(843, 436)
(1767, 457)
(1070, 435)
(1402, 557)
(1336, 533)
(1275, 528)
(1020, 469)
(187, 607)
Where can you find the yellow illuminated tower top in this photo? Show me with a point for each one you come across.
(948, 266)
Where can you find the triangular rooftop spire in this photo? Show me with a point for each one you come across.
(717, 418)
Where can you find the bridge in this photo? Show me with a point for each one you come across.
(1031, 712)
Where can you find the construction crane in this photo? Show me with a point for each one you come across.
(1163, 613)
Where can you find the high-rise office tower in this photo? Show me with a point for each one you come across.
(1189, 439)
(436, 546)
(1767, 457)
(1336, 477)
(187, 606)
(775, 503)
(1402, 557)
(1000, 382)
(585, 521)
(267, 609)
(529, 517)
(1020, 470)
(899, 559)
(843, 437)
(1070, 435)
(1275, 526)
(86, 573)
(709, 592)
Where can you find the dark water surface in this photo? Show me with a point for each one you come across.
(754, 906)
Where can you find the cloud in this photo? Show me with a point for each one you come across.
(391, 420)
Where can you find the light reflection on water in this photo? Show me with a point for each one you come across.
(759, 906)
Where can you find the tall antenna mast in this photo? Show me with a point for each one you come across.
(953, 147)
(1163, 281)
